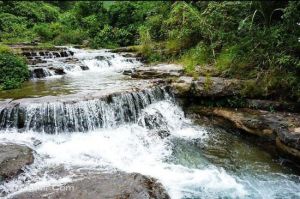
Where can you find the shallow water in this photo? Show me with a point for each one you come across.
(193, 162)
(100, 76)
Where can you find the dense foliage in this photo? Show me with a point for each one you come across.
(13, 69)
(248, 40)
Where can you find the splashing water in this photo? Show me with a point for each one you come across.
(144, 132)
(134, 148)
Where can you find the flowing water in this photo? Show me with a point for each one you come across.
(143, 131)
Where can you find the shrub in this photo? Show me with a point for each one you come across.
(226, 57)
(70, 37)
(13, 71)
(5, 49)
(105, 38)
(195, 56)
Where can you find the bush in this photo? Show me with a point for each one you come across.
(47, 32)
(5, 49)
(14, 28)
(70, 37)
(13, 71)
(195, 56)
(226, 57)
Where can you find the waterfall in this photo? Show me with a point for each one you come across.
(44, 64)
(81, 116)
(97, 120)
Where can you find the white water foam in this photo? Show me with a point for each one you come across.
(129, 148)
(103, 60)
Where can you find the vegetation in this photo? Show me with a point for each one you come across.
(247, 40)
(13, 69)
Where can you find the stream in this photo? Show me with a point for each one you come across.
(137, 130)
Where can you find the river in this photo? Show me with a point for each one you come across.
(190, 160)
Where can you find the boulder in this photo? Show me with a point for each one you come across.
(103, 185)
(84, 67)
(13, 158)
(40, 72)
(59, 71)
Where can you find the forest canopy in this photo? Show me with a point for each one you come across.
(240, 39)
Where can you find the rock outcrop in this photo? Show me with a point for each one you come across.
(157, 71)
(213, 87)
(105, 185)
(279, 126)
(13, 158)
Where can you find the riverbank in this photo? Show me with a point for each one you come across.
(279, 121)
(122, 117)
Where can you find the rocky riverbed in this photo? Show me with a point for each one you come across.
(284, 127)
(149, 129)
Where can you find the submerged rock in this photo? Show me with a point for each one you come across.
(13, 158)
(104, 185)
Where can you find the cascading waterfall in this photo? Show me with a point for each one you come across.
(143, 131)
(45, 64)
(82, 116)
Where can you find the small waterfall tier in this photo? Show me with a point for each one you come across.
(80, 116)
(61, 61)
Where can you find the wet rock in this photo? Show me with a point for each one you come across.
(13, 158)
(71, 53)
(155, 121)
(84, 67)
(35, 60)
(127, 72)
(63, 54)
(128, 55)
(100, 58)
(272, 125)
(39, 73)
(59, 71)
(56, 54)
(105, 185)
(36, 142)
